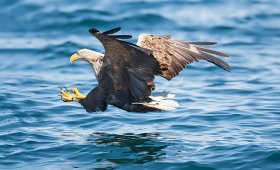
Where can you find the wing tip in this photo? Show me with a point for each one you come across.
(229, 68)
(202, 42)
(93, 31)
(224, 65)
(112, 31)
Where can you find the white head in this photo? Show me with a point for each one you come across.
(92, 57)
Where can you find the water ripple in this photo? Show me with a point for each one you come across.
(224, 121)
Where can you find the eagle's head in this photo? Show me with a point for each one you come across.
(92, 57)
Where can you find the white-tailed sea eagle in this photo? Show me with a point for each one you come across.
(125, 73)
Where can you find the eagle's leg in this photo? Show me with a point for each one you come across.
(68, 97)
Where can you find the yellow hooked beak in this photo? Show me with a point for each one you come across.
(74, 57)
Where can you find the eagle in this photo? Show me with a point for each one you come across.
(125, 72)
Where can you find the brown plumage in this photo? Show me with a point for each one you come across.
(126, 72)
(173, 55)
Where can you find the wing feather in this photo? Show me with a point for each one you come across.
(128, 70)
(174, 55)
(202, 43)
(121, 36)
(112, 31)
(212, 52)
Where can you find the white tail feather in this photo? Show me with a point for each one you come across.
(162, 102)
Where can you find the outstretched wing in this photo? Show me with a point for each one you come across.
(128, 70)
(173, 55)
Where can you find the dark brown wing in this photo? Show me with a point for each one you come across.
(173, 55)
(128, 70)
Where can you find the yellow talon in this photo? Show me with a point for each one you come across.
(78, 95)
(68, 97)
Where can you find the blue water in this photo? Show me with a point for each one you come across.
(225, 120)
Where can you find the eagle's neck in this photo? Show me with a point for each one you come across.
(97, 66)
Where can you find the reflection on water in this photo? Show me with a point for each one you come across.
(130, 148)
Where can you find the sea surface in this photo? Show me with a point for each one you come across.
(225, 120)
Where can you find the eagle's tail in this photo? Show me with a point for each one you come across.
(162, 102)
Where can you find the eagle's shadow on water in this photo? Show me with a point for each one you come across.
(130, 148)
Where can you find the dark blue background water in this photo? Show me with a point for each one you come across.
(225, 120)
